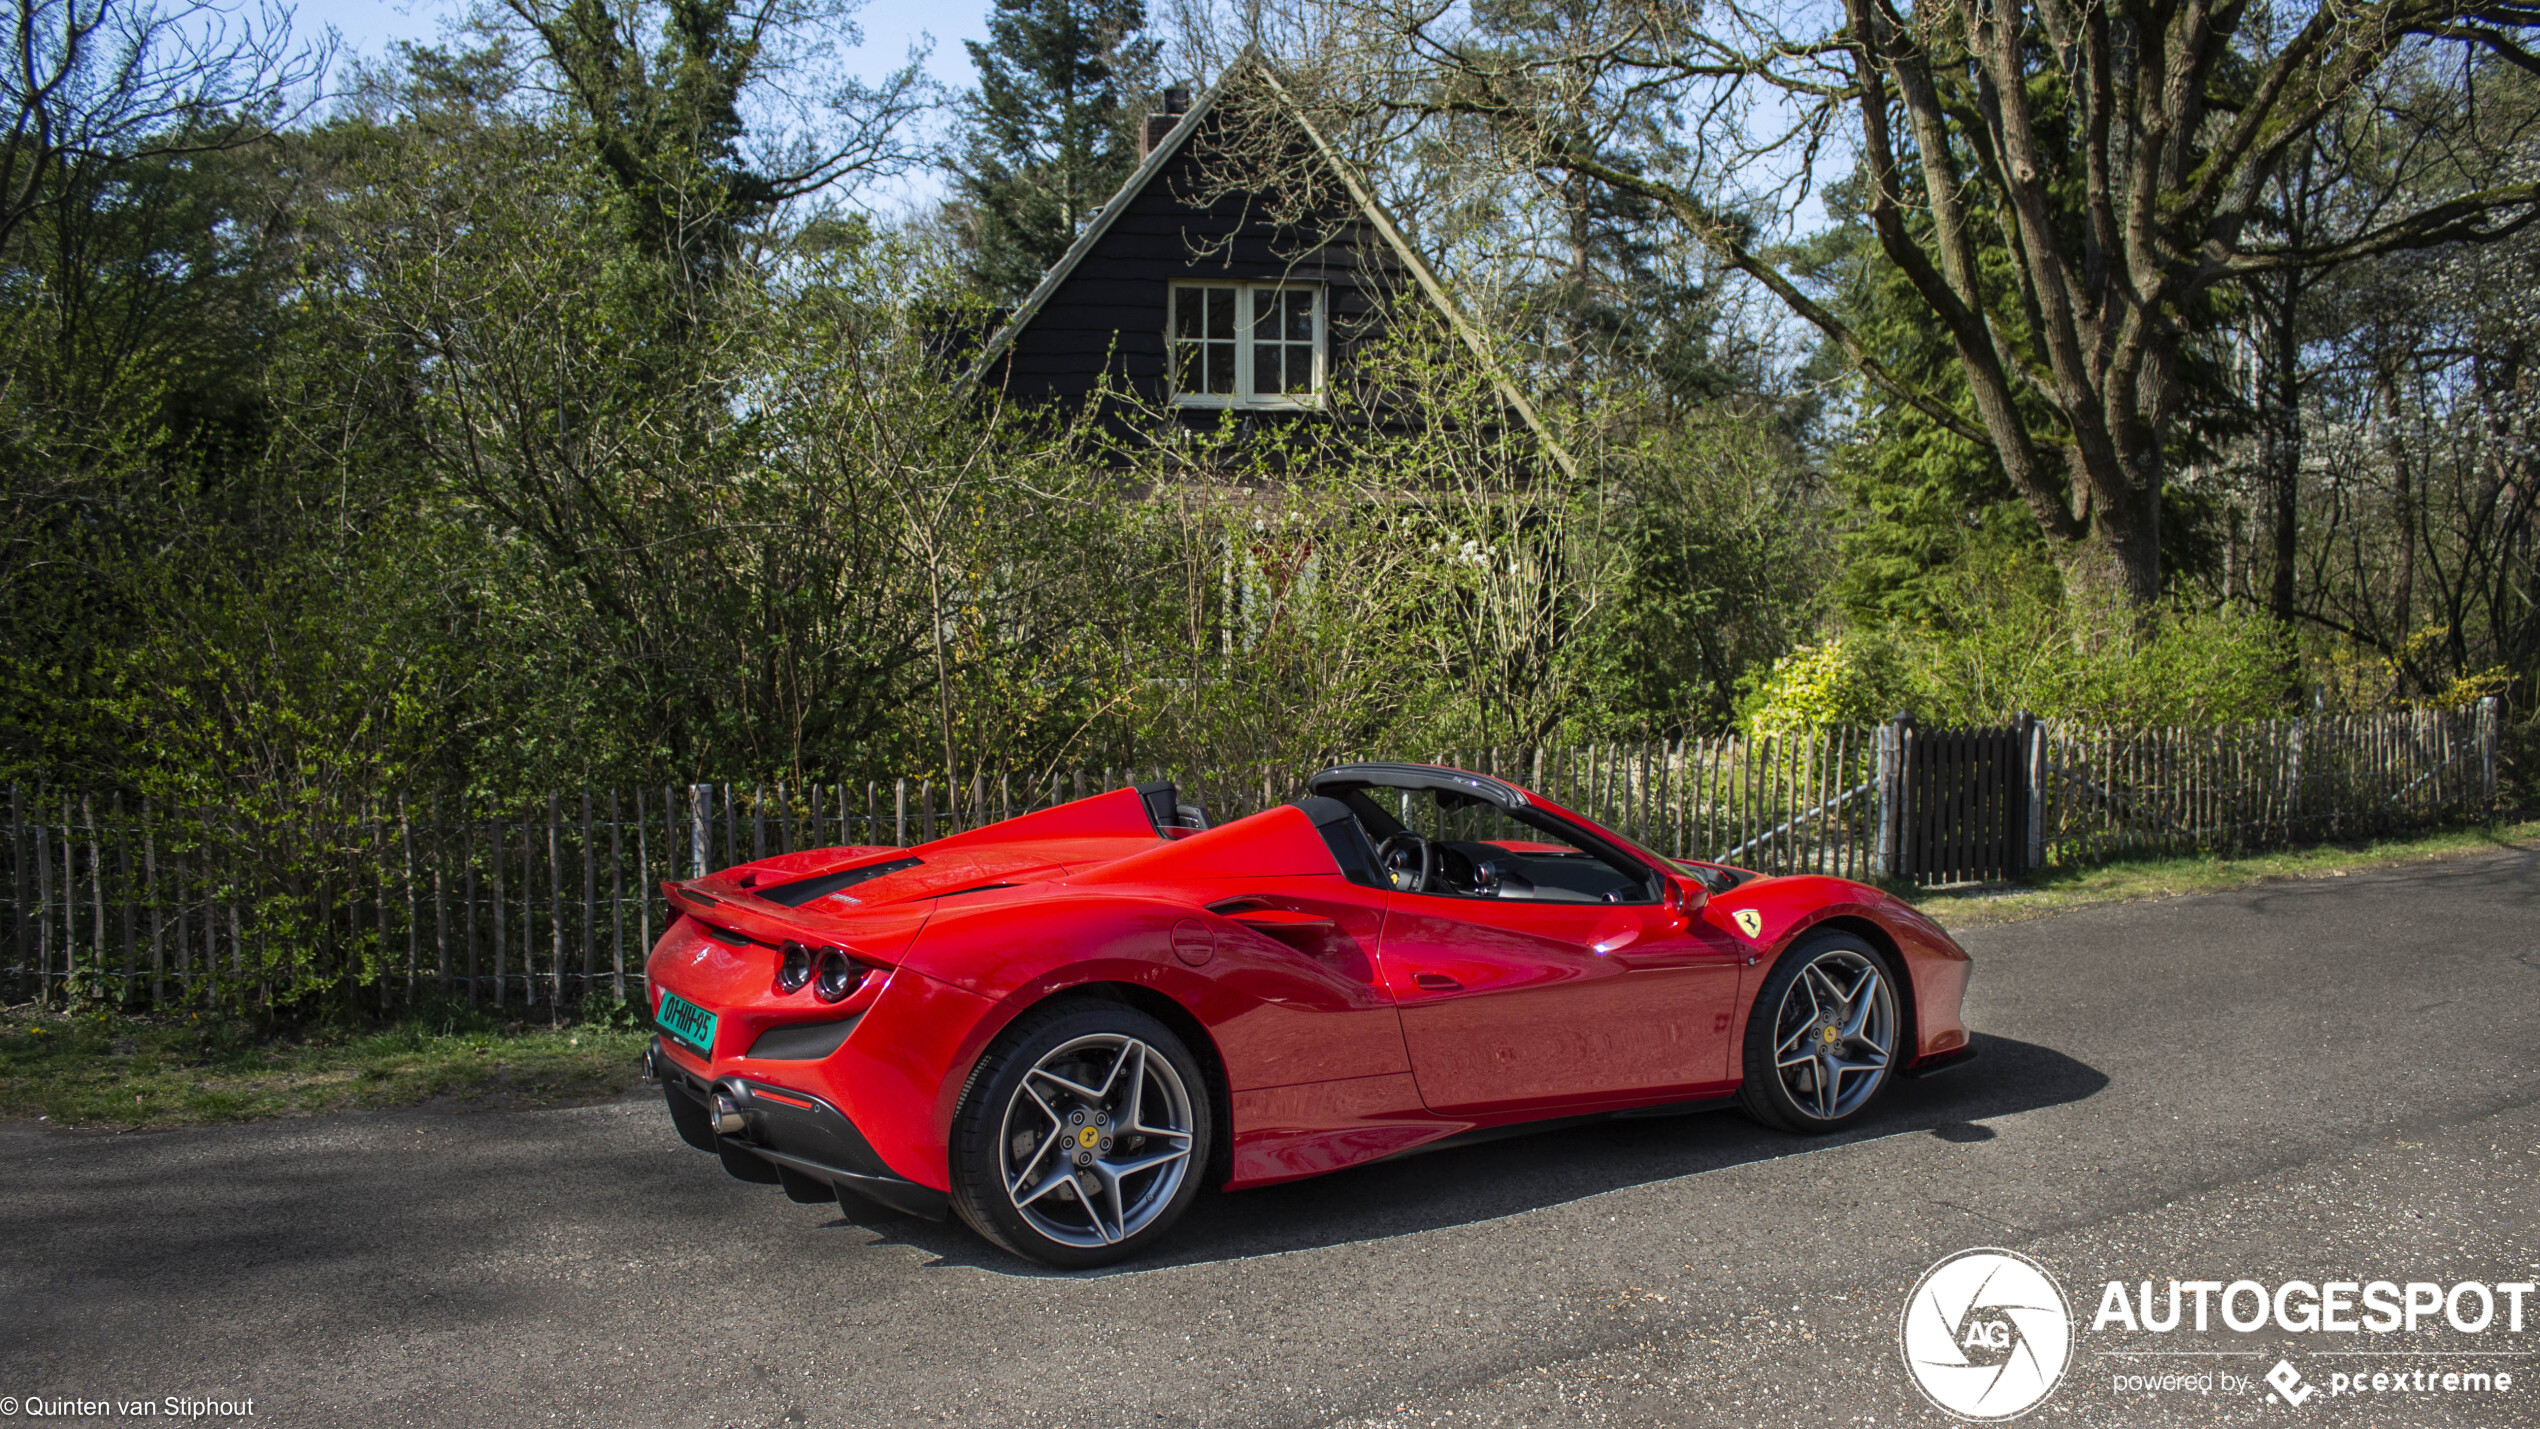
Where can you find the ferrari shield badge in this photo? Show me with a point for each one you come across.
(1749, 922)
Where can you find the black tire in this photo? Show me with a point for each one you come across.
(1012, 1182)
(1791, 1020)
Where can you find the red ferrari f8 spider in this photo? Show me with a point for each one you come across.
(1062, 1026)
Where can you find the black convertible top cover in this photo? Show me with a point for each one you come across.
(1342, 835)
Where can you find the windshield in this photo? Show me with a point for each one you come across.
(1482, 850)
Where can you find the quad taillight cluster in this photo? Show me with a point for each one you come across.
(829, 972)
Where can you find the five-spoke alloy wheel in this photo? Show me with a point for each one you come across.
(1821, 1042)
(1082, 1136)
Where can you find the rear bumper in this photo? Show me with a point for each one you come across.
(789, 1130)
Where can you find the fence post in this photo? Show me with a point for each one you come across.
(379, 881)
(157, 921)
(414, 902)
(502, 925)
(1885, 857)
(2487, 749)
(731, 827)
(617, 891)
(440, 894)
(700, 809)
(529, 908)
(44, 918)
(2293, 782)
(2036, 731)
(19, 890)
(643, 878)
(123, 891)
(467, 868)
(590, 899)
(96, 892)
(1880, 854)
(555, 898)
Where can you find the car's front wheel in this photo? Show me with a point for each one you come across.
(1082, 1135)
(1821, 1041)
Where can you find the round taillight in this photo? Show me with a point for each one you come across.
(836, 976)
(795, 970)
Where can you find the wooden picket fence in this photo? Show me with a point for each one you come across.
(2270, 784)
(116, 899)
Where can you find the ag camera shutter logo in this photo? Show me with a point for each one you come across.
(1986, 1334)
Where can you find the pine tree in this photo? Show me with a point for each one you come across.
(1051, 131)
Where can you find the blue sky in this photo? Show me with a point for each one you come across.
(889, 26)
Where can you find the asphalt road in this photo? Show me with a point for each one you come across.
(2324, 1080)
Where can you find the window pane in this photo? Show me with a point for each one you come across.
(1186, 312)
(1300, 314)
(1265, 367)
(1186, 366)
(1301, 367)
(1221, 355)
(1265, 312)
(1534, 863)
(1221, 313)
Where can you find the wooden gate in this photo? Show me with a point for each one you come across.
(1965, 811)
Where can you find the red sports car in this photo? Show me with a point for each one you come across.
(1062, 1026)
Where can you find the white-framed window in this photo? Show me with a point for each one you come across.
(1247, 344)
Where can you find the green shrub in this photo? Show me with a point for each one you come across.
(2022, 653)
(1842, 680)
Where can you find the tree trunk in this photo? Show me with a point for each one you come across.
(2117, 563)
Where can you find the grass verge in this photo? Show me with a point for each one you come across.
(113, 1071)
(2058, 890)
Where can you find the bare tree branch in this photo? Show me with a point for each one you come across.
(89, 81)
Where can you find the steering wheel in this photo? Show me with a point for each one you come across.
(1407, 854)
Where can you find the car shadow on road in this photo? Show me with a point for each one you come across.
(1471, 1183)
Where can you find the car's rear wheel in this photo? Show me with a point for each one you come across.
(1821, 1040)
(1082, 1135)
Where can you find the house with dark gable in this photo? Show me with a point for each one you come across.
(1235, 271)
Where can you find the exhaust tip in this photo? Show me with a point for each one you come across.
(727, 1115)
(652, 1063)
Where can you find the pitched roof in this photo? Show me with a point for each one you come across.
(1360, 193)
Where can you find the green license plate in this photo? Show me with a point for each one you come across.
(686, 1021)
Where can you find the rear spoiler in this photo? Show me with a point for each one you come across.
(769, 930)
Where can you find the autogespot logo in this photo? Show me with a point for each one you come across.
(1986, 1334)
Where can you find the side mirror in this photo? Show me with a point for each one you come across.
(1684, 897)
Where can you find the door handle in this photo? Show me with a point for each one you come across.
(1280, 920)
(1436, 982)
(1308, 933)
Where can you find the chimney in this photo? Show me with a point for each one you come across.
(1177, 102)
